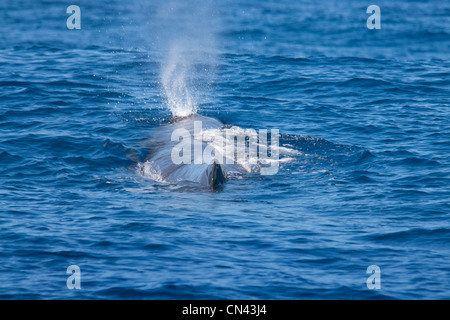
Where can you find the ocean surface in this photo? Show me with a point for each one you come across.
(364, 114)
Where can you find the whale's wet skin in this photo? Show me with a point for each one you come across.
(209, 153)
(160, 163)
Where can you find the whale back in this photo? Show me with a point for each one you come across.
(211, 175)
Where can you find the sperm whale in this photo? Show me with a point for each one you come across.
(165, 154)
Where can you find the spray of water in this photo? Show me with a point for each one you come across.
(174, 79)
(189, 43)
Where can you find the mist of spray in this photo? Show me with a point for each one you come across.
(189, 44)
(174, 78)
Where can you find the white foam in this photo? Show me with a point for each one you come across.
(147, 170)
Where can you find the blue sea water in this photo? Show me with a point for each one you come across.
(367, 112)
